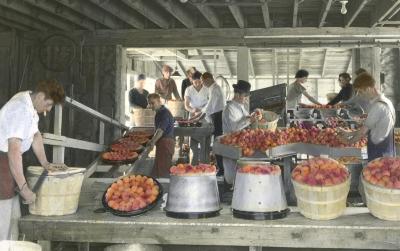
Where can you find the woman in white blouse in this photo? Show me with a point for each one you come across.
(235, 117)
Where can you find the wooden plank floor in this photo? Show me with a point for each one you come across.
(355, 230)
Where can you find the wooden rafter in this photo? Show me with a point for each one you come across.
(150, 13)
(120, 13)
(18, 18)
(83, 8)
(324, 14)
(182, 68)
(237, 15)
(265, 12)
(63, 12)
(178, 12)
(354, 8)
(324, 63)
(251, 64)
(13, 25)
(22, 8)
(383, 10)
(209, 14)
(228, 65)
(203, 62)
(300, 58)
(296, 4)
(349, 64)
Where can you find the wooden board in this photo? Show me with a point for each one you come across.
(356, 229)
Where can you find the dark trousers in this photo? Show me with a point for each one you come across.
(217, 122)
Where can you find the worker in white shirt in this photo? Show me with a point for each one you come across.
(18, 132)
(196, 98)
(213, 110)
(235, 117)
(379, 125)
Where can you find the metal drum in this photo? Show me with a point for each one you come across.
(193, 196)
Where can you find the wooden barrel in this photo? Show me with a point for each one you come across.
(177, 108)
(19, 246)
(142, 117)
(321, 203)
(383, 203)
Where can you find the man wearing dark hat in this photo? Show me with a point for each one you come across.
(138, 95)
(235, 117)
(166, 86)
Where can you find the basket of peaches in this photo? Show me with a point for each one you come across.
(321, 186)
(132, 195)
(381, 184)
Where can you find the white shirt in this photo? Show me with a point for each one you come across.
(216, 101)
(234, 117)
(197, 99)
(381, 118)
(18, 119)
(294, 93)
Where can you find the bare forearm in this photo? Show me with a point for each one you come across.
(157, 136)
(38, 149)
(15, 162)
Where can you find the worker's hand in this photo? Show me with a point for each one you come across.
(51, 167)
(343, 135)
(26, 193)
(150, 145)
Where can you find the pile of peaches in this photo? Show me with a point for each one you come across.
(383, 172)
(188, 169)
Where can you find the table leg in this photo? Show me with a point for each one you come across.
(287, 169)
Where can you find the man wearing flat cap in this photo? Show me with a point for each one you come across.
(166, 86)
(235, 117)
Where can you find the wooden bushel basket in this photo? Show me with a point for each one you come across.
(142, 117)
(19, 246)
(322, 203)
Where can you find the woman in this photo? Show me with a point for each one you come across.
(18, 132)
(379, 125)
(235, 117)
(196, 98)
(347, 89)
(166, 86)
(296, 90)
(187, 81)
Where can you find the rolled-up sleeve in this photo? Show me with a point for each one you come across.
(17, 126)
(379, 122)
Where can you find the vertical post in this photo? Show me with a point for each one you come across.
(101, 132)
(369, 59)
(58, 151)
(287, 66)
(243, 63)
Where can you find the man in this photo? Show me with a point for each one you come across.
(213, 110)
(166, 86)
(196, 98)
(347, 89)
(235, 117)
(163, 137)
(187, 81)
(379, 125)
(138, 95)
(18, 132)
(296, 90)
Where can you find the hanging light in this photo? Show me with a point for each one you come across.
(176, 72)
(343, 10)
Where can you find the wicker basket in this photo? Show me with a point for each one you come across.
(59, 193)
(19, 246)
(384, 203)
(142, 117)
(322, 203)
(177, 108)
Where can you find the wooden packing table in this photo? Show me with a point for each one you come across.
(357, 229)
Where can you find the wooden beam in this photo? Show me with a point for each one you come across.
(383, 9)
(182, 68)
(203, 62)
(13, 25)
(324, 63)
(228, 65)
(300, 57)
(275, 66)
(150, 13)
(265, 12)
(178, 54)
(120, 13)
(349, 64)
(178, 12)
(251, 64)
(65, 13)
(20, 19)
(22, 8)
(326, 7)
(209, 14)
(237, 15)
(354, 8)
(83, 8)
(295, 12)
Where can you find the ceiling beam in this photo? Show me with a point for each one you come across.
(326, 7)
(178, 12)
(22, 19)
(172, 58)
(182, 68)
(154, 58)
(237, 15)
(22, 8)
(60, 11)
(300, 58)
(349, 64)
(96, 15)
(251, 64)
(209, 14)
(150, 13)
(13, 25)
(203, 62)
(120, 13)
(354, 8)
(178, 54)
(295, 12)
(383, 9)
(265, 12)
(324, 63)
(228, 65)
